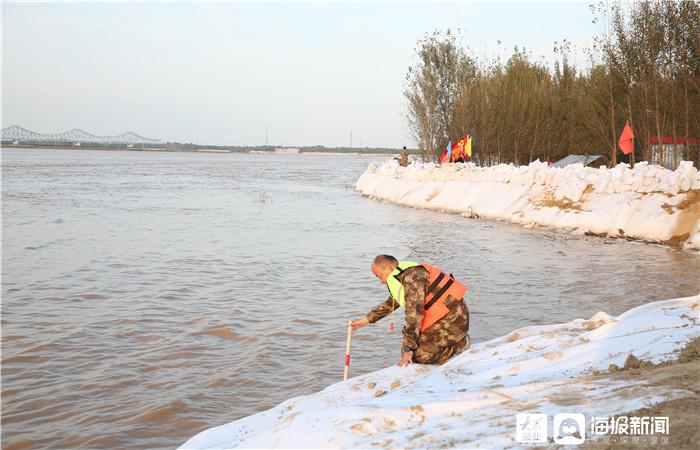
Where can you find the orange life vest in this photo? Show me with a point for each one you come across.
(440, 286)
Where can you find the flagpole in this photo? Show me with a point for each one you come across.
(629, 110)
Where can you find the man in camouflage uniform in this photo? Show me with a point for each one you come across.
(436, 344)
(403, 159)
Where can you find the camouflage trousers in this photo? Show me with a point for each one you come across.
(446, 338)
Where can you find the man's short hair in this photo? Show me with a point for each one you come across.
(385, 260)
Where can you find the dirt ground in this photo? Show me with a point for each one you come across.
(683, 413)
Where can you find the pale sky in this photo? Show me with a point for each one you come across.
(219, 73)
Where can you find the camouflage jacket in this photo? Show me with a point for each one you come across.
(415, 284)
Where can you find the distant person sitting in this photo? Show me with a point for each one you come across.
(403, 158)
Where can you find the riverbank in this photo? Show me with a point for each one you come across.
(473, 400)
(647, 203)
(681, 375)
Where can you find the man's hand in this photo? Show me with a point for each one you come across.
(357, 324)
(406, 359)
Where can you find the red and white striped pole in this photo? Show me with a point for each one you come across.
(347, 351)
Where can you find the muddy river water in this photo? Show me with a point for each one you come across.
(147, 296)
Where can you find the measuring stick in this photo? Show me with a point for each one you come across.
(347, 351)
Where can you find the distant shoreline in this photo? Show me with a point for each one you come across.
(58, 147)
(329, 152)
(346, 154)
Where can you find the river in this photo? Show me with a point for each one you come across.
(147, 296)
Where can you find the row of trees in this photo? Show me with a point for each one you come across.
(644, 67)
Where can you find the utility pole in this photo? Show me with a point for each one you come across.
(265, 135)
(350, 138)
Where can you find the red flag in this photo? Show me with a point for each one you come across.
(626, 141)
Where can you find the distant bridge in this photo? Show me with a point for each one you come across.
(73, 136)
